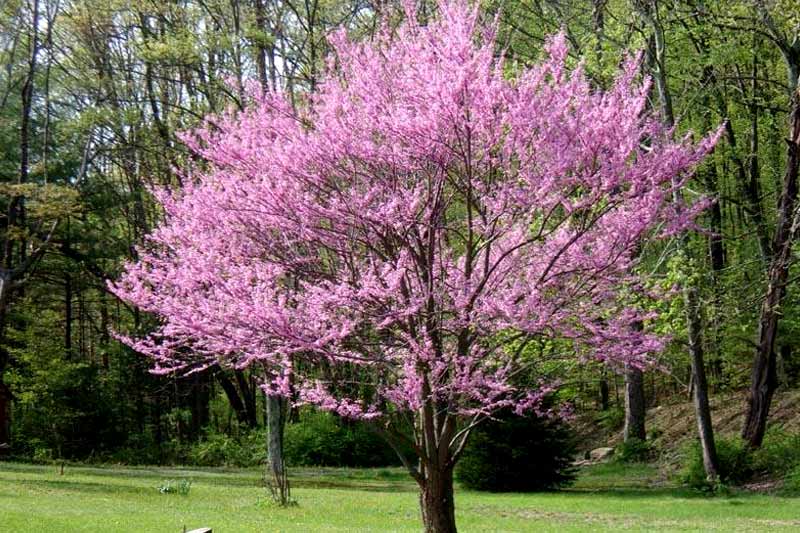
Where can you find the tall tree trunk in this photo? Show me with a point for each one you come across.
(278, 479)
(698, 380)
(702, 408)
(634, 404)
(604, 392)
(764, 376)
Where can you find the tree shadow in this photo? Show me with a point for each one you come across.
(81, 486)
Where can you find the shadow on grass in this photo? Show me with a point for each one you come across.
(372, 480)
(352, 485)
(81, 486)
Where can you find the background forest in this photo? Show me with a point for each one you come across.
(94, 92)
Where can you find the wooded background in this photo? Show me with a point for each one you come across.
(94, 92)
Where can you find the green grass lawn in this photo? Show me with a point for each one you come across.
(606, 498)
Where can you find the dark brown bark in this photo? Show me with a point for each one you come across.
(5, 418)
(248, 390)
(437, 503)
(200, 396)
(232, 394)
(604, 393)
(764, 374)
(634, 404)
(68, 317)
(105, 336)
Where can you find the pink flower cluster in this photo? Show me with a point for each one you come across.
(378, 248)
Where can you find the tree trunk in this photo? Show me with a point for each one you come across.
(436, 500)
(603, 393)
(5, 418)
(277, 480)
(68, 317)
(634, 404)
(248, 389)
(697, 380)
(764, 377)
(236, 402)
(702, 408)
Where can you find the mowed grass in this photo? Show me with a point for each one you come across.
(606, 498)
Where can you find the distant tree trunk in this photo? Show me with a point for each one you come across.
(786, 360)
(68, 317)
(698, 381)
(278, 479)
(105, 337)
(764, 374)
(702, 408)
(200, 397)
(604, 393)
(232, 394)
(634, 404)
(248, 390)
(5, 417)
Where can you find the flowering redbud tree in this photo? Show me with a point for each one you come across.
(385, 250)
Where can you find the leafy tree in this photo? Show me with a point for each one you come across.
(518, 454)
(372, 247)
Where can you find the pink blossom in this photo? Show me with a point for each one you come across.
(420, 208)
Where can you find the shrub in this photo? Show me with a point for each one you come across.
(791, 481)
(779, 454)
(612, 418)
(735, 464)
(518, 454)
(220, 449)
(322, 439)
(633, 451)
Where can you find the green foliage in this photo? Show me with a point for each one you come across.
(518, 454)
(633, 451)
(321, 439)
(791, 481)
(62, 407)
(612, 418)
(779, 453)
(735, 464)
(219, 449)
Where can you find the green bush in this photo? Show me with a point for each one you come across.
(219, 449)
(518, 454)
(633, 451)
(779, 454)
(735, 464)
(322, 439)
(612, 418)
(791, 481)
